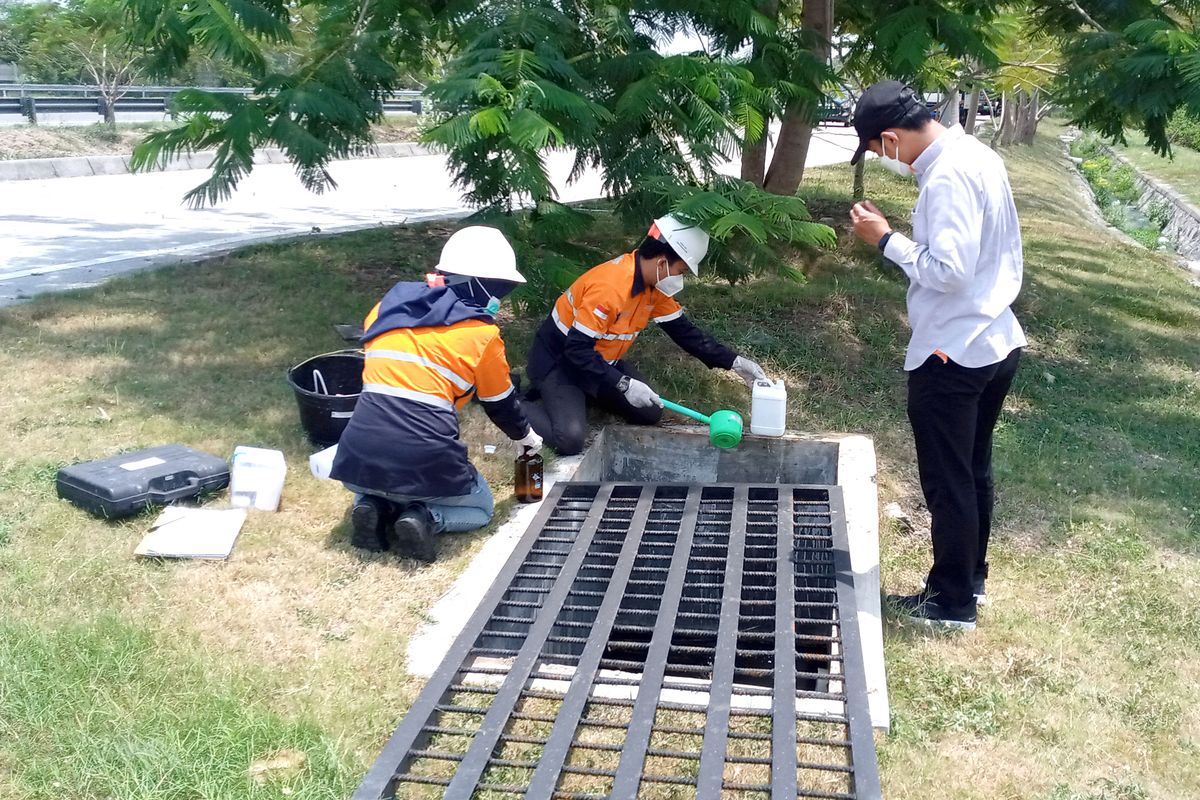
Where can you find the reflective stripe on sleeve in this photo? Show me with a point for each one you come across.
(669, 317)
(558, 322)
(498, 397)
(579, 326)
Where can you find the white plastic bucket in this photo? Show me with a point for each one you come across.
(320, 464)
(256, 478)
(768, 408)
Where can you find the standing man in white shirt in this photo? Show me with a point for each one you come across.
(964, 266)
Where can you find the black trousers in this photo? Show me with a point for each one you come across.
(953, 411)
(560, 417)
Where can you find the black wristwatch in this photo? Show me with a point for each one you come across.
(883, 240)
(623, 384)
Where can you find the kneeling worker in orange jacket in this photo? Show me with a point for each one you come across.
(430, 346)
(578, 356)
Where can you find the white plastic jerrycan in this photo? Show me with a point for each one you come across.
(256, 478)
(768, 408)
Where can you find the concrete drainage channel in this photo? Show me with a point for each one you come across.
(628, 647)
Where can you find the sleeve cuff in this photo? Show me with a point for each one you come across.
(897, 245)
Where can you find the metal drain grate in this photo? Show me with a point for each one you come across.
(628, 650)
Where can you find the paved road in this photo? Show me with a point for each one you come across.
(76, 232)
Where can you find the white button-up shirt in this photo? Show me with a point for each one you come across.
(964, 260)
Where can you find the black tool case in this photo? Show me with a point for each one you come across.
(124, 485)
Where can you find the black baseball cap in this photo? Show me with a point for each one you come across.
(883, 105)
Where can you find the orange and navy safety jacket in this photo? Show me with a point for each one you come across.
(595, 322)
(427, 353)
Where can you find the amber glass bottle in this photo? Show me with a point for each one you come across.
(528, 477)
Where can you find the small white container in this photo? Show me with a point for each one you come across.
(768, 408)
(321, 464)
(256, 478)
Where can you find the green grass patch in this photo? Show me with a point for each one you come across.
(1181, 171)
(1080, 682)
(98, 710)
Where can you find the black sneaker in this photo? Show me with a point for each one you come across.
(979, 585)
(370, 517)
(412, 534)
(924, 609)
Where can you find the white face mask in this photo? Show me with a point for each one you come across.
(670, 285)
(894, 164)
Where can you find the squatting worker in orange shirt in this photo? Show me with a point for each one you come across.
(578, 357)
(430, 346)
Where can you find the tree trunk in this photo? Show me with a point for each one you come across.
(860, 189)
(109, 106)
(754, 157)
(950, 112)
(972, 111)
(1030, 115)
(1008, 119)
(754, 154)
(791, 151)
(795, 135)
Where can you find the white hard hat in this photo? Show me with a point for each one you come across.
(480, 252)
(688, 241)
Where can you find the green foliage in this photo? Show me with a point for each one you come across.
(1184, 129)
(751, 229)
(1159, 213)
(1114, 184)
(511, 94)
(1126, 65)
(1109, 178)
(51, 41)
(316, 107)
(913, 41)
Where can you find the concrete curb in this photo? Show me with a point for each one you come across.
(32, 169)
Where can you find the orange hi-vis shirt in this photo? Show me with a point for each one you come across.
(600, 304)
(440, 366)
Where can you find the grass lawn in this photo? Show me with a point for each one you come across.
(129, 679)
(1181, 171)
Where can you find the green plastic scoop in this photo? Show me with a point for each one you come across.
(724, 427)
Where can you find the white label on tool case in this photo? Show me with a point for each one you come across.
(341, 414)
(134, 466)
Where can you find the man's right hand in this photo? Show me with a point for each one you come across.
(869, 223)
(640, 395)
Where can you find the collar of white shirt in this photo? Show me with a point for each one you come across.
(926, 159)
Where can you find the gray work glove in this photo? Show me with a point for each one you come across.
(531, 442)
(748, 371)
(640, 395)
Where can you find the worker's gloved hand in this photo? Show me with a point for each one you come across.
(748, 371)
(640, 395)
(531, 441)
